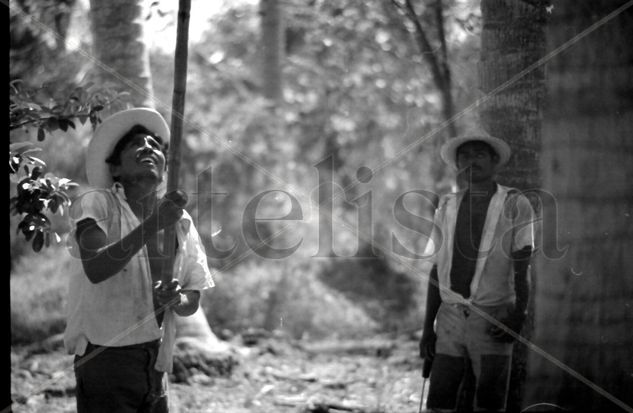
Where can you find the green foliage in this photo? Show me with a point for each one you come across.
(37, 192)
(390, 298)
(38, 294)
(27, 108)
(290, 296)
(38, 31)
(356, 88)
(353, 89)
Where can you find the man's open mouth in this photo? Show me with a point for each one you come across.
(146, 159)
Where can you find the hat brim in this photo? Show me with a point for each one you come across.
(109, 132)
(448, 151)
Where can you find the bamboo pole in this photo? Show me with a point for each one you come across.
(177, 115)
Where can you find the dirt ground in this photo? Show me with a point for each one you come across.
(274, 375)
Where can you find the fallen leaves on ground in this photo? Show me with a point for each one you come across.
(273, 374)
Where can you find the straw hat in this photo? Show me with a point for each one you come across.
(109, 132)
(449, 149)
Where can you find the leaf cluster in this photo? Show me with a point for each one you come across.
(27, 109)
(37, 192)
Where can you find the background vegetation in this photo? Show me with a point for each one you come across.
(355, 88)
(360, 84)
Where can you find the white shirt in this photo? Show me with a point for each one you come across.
(509, 227)
(120, 311)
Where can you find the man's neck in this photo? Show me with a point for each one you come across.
(141, 197)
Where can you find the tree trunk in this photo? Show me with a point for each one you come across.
(513, 39)
(122, 54)
(584, 325)
(272, 49)
(436, 58)
(272, 37)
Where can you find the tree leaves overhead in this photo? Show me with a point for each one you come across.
(30, 108)
(36, 192)
(355, 87)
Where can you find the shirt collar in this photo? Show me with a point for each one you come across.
(118, 189)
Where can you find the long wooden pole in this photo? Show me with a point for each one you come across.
(177, 115)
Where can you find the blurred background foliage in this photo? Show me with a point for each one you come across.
(356, 93)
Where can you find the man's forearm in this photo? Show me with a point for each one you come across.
(433, 300)
(521, 260)
(102, 262)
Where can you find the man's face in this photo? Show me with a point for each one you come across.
(476, 161)
(141, 158)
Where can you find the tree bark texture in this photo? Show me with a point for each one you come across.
(512, 42)
(120, 48)
(584, 321)
(513, 39)
(272, 37)
(272, 55)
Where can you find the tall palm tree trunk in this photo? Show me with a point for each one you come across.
(121, 49)
(512, 41)
(584, 323)
(273, 40)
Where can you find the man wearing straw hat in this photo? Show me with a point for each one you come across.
(121, 320)
(478, 287)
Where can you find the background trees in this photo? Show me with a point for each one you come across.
(358, 91)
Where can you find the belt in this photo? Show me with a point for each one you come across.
(147, 345)
(468, 309)
(465, 309)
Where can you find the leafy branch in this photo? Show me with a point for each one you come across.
(26, 109)
(37, 192)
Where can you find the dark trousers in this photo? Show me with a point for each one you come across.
(120, 379)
